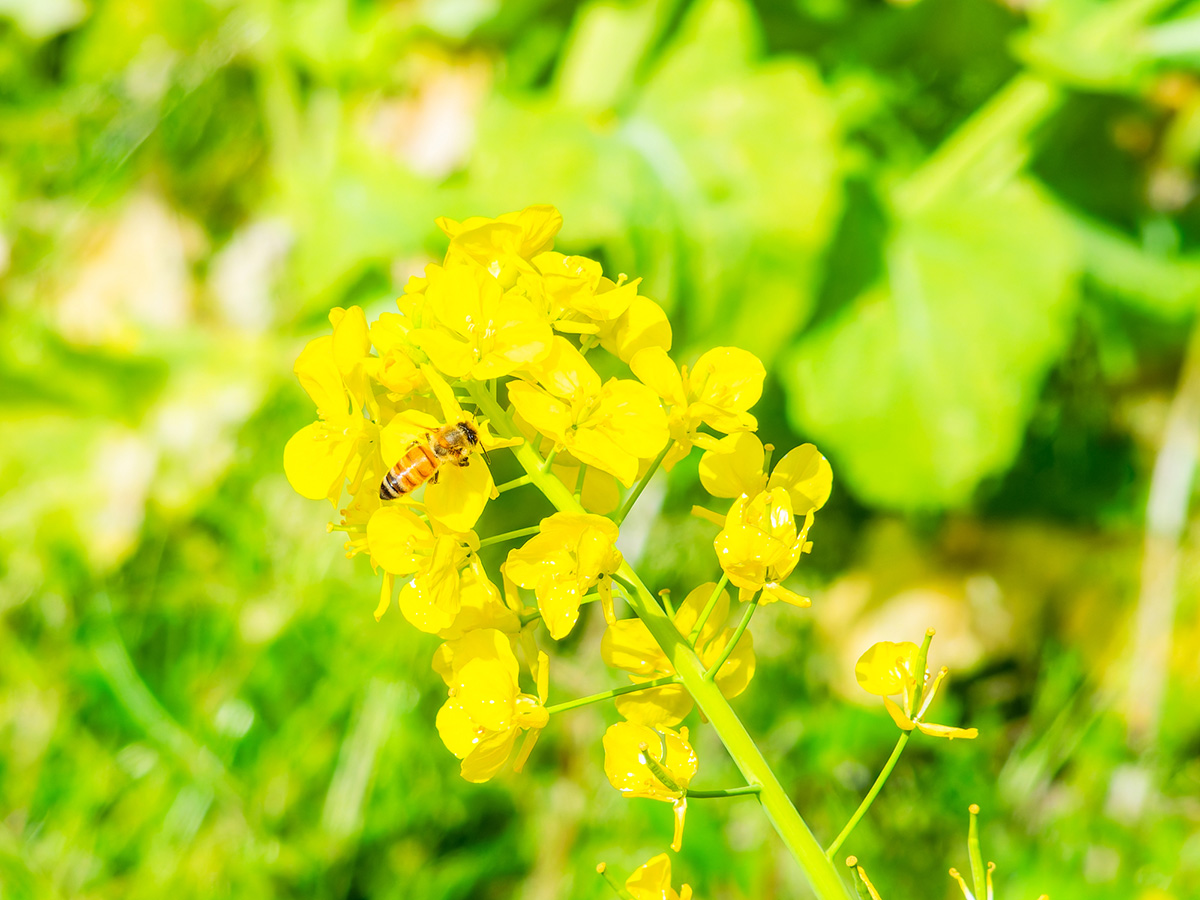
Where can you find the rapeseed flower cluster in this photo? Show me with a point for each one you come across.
(500, 345)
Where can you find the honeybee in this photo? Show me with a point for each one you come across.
(421, 461)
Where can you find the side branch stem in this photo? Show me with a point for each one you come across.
(510, 535)
(727, 792)
(615, 692)
(733, 639)
(641, 485)
(708, 608)
(871, 795)
(825, 880)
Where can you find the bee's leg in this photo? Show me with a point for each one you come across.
(434, 479)
(464, 462)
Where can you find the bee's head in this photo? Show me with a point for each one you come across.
(469, 431)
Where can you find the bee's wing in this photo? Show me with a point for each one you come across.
(398, 435)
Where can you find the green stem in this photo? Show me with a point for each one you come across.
(615, 692)
(510, 535)
(641, 485)
(602, 871)
(549, 460)
(577, 493)
(708, 608)
(727, 792)
(871, 795)
(788, 823)
(733, 640)
(515, 483)
(978, 873)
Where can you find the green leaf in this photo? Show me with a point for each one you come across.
(923, 386)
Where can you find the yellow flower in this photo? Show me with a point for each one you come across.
(486, 711)
(733, 466)
(653, 881)
(573, 295)
(759, 545)
(717, 392)
(395, 367)
(643, 324)
(610, 426)
(657, 764)
(628, 645)
(887, 669)
(472, 328)
(573, 553)
(503, 246)
(332, 369)
(401, 544)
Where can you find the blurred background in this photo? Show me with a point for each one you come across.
(961, 234)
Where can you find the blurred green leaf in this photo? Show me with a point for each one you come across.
(923, 386)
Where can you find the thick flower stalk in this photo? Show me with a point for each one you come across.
(500, 346)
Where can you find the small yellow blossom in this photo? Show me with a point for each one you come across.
(657, 764)
(319, 457)
(396, 367)
(628, 645)
(572, 553)
(653, 881)
(572, 294)
(717, 392)
(734, 465)
(401, 544)
(759, 545)
(471, 328)
(505, 245)
(486, 711)
(610, 426)
(642, 325)
(887, 669)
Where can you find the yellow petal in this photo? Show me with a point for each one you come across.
(656, 370)
(652, 881)
(734, 676)
(688, 613)
(315, 459)
(548, 414)
(885, 667)
(947, 731)
(558, 601)
(667, 705)
(728, 379)
(734, 466)
(627, 644)
(642, 325)
(898, 715)
(394, 535)
(489, 756)
(318, 374)
(805, 474)
(457, 500)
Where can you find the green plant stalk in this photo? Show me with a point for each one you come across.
(733, 639)
(726, 792)
(708, 608)
(871, 795)
(978, 874)
(510, 535)
(614, 692)
(641, 485)
(619, 888)
(788, 823)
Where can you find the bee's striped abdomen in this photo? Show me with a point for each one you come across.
(414, 468)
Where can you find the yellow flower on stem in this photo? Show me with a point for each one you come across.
(643, 324)
(611, 426)
(573, 295)
(627, 644)
(653, 881)
(759, 545)
(395, 367)
(888, 669)
(572, 553)
(735, 465)
(471, 328)
(657, 764)
(717, 392)
(486, 711)
(402, 545)
(503, 245)
(332, 370)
